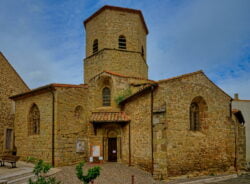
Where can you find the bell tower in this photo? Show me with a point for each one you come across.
(116, 42)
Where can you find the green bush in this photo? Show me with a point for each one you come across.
(41, 168)
(124, 94)
(32, 160)
(93, 173)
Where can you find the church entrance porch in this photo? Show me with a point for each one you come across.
(108, 132)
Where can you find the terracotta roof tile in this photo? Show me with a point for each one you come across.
(235, 110)
(46, 88)
(124, 76)
(238, 100)
(181, 76)
(109, 117)
(140, 91)
(190, 74)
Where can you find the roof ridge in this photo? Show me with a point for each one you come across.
(126, 76)
(240, 100)
(117, 8)
(48, 87)
(180, 76)
(193, 73)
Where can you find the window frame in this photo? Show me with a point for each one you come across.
(122, 42)
(194, 116)
(11, 137)
(106, 98)
(34, 122)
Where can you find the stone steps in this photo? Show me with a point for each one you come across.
(22, 180)
(18, 177)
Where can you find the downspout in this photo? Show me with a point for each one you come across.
(235, 138)
(236, 147)
(53, 127)
(152, 134)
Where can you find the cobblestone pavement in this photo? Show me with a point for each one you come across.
(111, 173)
(244, 179)
(115, 173)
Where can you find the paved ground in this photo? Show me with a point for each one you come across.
(244, 179)
(114, 173)
(111, 173)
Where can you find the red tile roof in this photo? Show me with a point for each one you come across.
(238, 115)
(181, 76)
(140, 91)
(190, 74)
(239, 100)
(124, 76)
(47, 88)
(118, 9)
(109, 117)
(235, 110)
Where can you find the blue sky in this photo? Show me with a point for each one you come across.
(44, 40)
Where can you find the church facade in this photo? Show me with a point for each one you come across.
(170, 127)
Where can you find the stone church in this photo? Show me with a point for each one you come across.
(169, 127)
(10, 84)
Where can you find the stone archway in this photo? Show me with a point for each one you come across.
(112, 144)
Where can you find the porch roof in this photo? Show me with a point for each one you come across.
(109, 117)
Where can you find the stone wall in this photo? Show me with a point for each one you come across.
(39, 145)
(70, 125)
(119, 61)
(209, 150)
(11, 84)
(107, 27)
(240, 143)
(160, 141)
(118, 85)
(244, 107)
(139, 110)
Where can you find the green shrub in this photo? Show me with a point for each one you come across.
(41, 168)
(93, 173)
(124, 94)
(32, 160)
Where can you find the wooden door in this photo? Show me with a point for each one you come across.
(112, 149)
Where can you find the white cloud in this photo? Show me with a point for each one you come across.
(44, 40)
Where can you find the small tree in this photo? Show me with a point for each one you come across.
(41, 168)
(93, 173)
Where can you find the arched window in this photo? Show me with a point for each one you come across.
(78, 112)
(194, 117)
(34, 120)
(122, 42)
(106, 97)
(198, 114)
(95, 46)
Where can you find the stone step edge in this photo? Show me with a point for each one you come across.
(23, 179)
(16, 174)
(208, 180)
